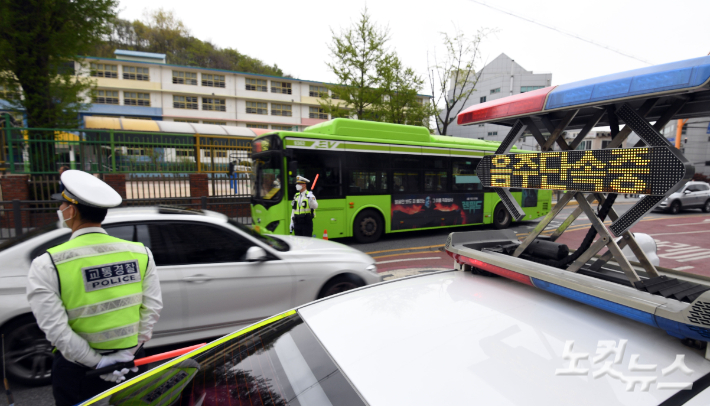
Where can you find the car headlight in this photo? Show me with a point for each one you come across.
(372, 268)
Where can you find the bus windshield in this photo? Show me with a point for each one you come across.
(268, 176)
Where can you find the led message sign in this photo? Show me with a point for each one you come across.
(647, 171)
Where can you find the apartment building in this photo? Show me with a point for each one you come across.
(143, 85)
(501, 77)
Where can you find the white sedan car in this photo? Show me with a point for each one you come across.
(446, 338)
(215, 274)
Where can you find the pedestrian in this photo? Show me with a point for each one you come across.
(303, 209)
(232, 175)
(95, 297)
(61, 171)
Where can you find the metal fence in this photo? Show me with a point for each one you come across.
(18, 217)
(41, 151)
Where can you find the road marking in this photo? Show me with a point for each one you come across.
(693, 259)
(704, 222)
(682, 232)
(404, 260)
(402, 249)
(684, 268)
(679, 256)
(404, 253)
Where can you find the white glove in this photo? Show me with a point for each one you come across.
(110, 359)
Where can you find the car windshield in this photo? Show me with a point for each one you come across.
(273, 242)
(280, 362)
(29, 235)
(268, 176)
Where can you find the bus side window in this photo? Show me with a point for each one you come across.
(464, 175)
(367, 173)
(406, 173)
(327, 165)
(436, 174)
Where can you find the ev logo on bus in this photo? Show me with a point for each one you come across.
(326, 144)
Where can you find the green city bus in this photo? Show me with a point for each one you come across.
(375, 178)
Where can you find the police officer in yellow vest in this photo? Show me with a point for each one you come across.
(303, 209)
(95, 297)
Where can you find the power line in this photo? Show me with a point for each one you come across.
(608, 48)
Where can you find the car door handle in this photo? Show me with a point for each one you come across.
(197, 278)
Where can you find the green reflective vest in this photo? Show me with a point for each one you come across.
(101, 285)
(304, 207)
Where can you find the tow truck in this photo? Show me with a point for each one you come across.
(641, 101)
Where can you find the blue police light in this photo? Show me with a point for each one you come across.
(676, 75)
(621, 310)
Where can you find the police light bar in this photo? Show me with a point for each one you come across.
(676, 306)
(654, 80)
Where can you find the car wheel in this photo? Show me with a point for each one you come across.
(28, 354)
(501, 217)
(675, 207)
(706, 207)
(341, 283)
(368, 226)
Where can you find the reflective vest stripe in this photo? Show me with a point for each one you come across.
(112, 334)
(94, 250)
(297, 207)
(105, 307)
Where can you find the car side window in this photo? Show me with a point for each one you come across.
(124, 232)
(214, 244)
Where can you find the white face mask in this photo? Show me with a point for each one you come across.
(62, 221)
(298, 187)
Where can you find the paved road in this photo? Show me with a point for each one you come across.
(682, 240)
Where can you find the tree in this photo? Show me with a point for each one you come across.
(356, 52)
(454, 80)
(39, 42)
(398, 87)
(163, 32)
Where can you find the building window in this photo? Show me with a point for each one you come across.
(605, 144)
(138, 118)
(280, 110)
(524, 89)
(184, 78)
(334, 96)
(184, 152)
(496, 90)
(317, 112)
(213, 80)
(257, 108)
(105, 97)
(9, 92)
(481, 125)
(317, 91)
(282, 127)
(136, 99)
(185, 102)
(261, 126)
(584, 145)
(492, 133)
(280, 87)
(214, 122)
(101, 70)
(483, 99)
(212, 104)
(135, 73)
(187, 121)
(257, 85)
(480, 138)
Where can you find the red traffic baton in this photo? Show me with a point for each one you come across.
(143, 361)
(314, 181)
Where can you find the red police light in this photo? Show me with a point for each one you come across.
(524, 103)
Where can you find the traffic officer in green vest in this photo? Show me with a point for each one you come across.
(303, 207)
(95, 297)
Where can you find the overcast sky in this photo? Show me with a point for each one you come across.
(295, 34)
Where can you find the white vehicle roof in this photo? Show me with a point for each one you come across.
(457, 338)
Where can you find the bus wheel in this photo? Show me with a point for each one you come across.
(368, 226)
(501, 217)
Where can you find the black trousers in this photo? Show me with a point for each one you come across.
(303, 225)
(70, 385)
